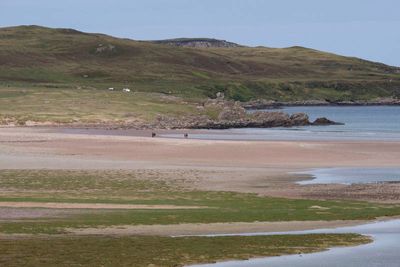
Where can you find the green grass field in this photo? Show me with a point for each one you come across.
(87, 105)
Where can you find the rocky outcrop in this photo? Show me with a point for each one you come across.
(300, 119)
(105, 48)
(235, 118)
(226, 120)
(197, 42)
(233, 115)
(234, 112)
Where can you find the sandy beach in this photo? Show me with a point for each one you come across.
(288, 155)
(262, 167)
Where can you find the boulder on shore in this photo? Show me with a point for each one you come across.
(324, 121)
(300, 119)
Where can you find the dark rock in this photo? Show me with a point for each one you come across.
(270, 119)
(324, 121)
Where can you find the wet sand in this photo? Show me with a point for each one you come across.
(262, 167)
(209, 153)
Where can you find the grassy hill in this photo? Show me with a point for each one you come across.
(41, 56)
(63, 72)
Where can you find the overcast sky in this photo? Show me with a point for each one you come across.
(368, 29)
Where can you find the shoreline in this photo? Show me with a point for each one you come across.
(194, 135)
(260, 104)
(262, 153)
(233, 115)
(380, 246)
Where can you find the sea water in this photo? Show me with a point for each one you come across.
(360, 123)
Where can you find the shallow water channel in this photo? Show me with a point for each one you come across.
(352, 176)
(384, 251)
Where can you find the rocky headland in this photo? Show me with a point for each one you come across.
(234, 115)
(213, 114)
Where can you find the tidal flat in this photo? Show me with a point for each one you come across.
(63, 189)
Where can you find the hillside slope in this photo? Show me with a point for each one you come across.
(64, 58)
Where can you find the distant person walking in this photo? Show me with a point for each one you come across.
(186, 135)
(153, 134)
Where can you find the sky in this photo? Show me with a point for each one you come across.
(368, 29)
